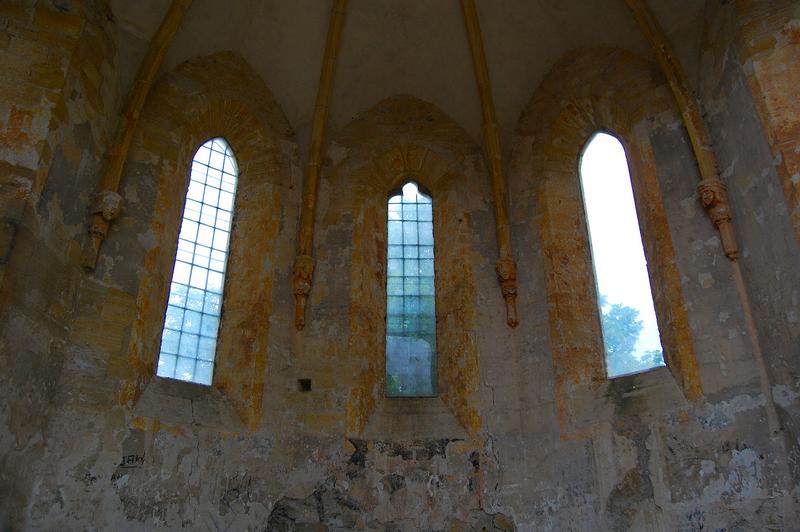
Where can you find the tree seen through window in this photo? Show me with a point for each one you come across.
(630, 330)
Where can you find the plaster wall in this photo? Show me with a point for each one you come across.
(59, 100)
(526, 432)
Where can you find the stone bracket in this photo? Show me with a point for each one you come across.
(301, 283)
(507, 275)
(714, 196)
(105, 207)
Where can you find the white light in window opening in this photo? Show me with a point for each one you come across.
(630, 330)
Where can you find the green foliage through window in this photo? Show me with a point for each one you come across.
(630, 330)
(621, 330)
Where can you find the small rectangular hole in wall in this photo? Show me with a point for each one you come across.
(304, 385)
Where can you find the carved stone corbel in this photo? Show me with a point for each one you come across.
(507, 275)
(105, 207)
(118, 150)
(714, 196)
(301, 282)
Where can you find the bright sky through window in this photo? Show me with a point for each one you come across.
(630, 330)
(189, 337)
(410, 301)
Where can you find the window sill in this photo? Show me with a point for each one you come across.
(654, 389)
(647, 394)
(182, 403)
(413, 418)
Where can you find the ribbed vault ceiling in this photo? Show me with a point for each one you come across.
(416, 47)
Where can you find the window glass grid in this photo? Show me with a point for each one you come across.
(411, 312)
(191, 324)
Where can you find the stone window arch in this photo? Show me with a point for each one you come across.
(404, 139)
(216, 96)
(371, 411)
(606, 90)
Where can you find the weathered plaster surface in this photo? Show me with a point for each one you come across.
(527, 433)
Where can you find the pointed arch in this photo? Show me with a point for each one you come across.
(405, 139)
(207, 97)
(590, 90)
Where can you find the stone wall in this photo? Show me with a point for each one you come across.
(663, 449)
(58, 103)
(526, 432)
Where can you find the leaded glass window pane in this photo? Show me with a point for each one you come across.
(410, 301)
(630, 330)
(191, 324)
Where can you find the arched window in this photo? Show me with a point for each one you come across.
(630, 330)
(189, 337)
(410, 302)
